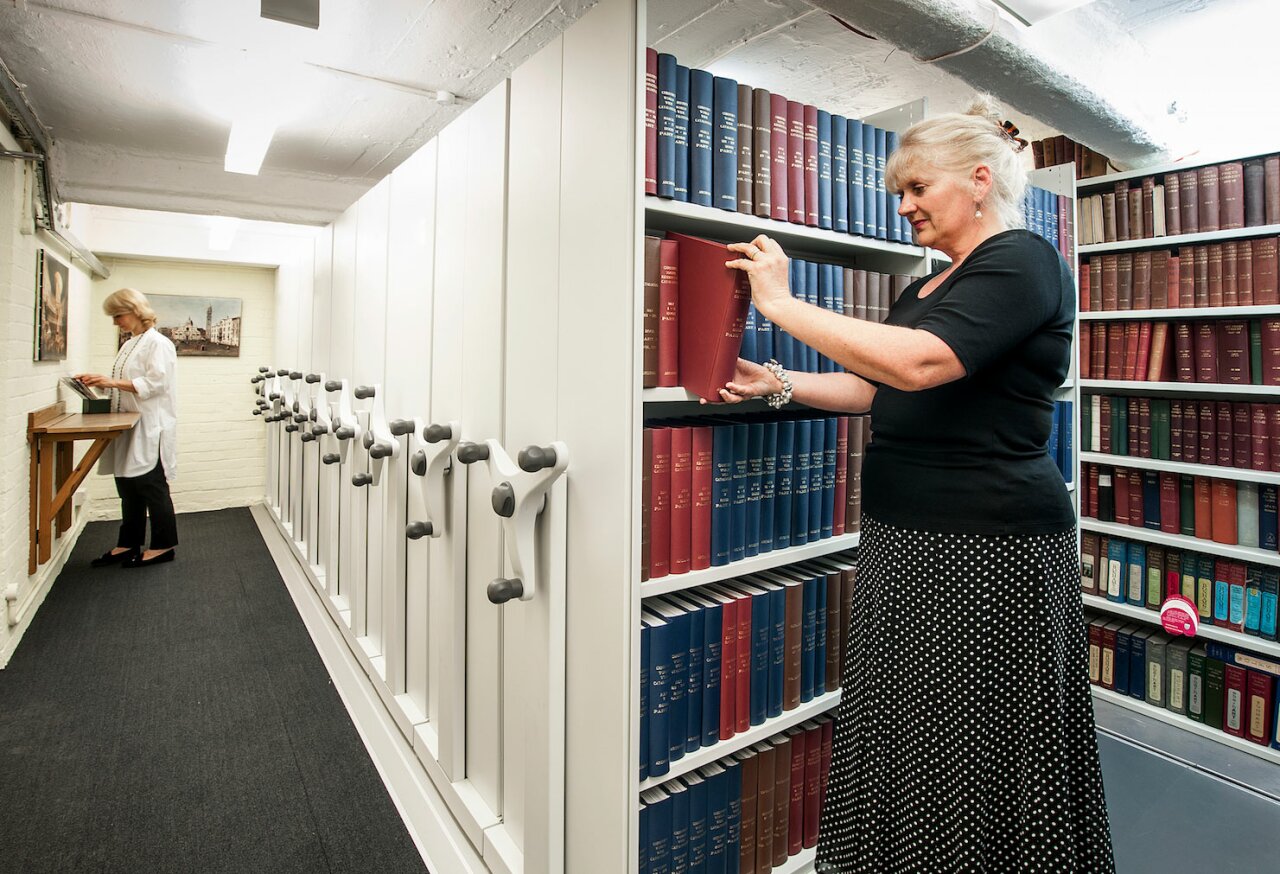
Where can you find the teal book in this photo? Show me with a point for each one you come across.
(1136, 578)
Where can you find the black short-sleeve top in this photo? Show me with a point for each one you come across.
(971, 456)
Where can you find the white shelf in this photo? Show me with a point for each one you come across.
(1182, 313)
(755, 734)
(1181, 541)
(801, 863)
(1214, 470)
(1068, 384)
(1180, 239)
(1188, 724)
(777, 558)
(671, 395)
(1207, 631)
(1199, 389)
(707, 220)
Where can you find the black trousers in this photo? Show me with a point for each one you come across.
(141, 496)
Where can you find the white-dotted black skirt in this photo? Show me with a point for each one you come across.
(965, 739)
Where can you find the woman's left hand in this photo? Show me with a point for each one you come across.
(94, 379)
(765, 264)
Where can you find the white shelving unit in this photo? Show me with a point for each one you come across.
(1208, 632)
(1180, 541)
(755, 564)
(1187, 724)
(1180, 239)
(1179, 313)
(1217, 471)
(1199, 389)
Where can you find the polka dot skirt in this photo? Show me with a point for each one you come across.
(965, 738)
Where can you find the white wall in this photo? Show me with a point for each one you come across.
(221, 446)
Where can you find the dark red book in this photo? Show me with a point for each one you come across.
(742, 694)
(766, 780)
(729, 668)
(1085, 338)
(1159, 280)
(781, 799)
(1098, 350)
(1208, 428)
(1206, 339)
(1092, 479)
(1095, 652)
(1233, 700)
(1184, 354)
(778, 146)
(1231, 195)
(1259, 439)
(1214, 269)
(1160, 363)
(1210, 198)
(1169, 503)
(1189, 188)
(652, 268)
(1224, 511)
(650, 121)
(1233, 352)
(812, 781)
(1223, 416)
(1085, 279)
(1204, 507)
(1134, 420)
(669, 313)
(1172, 277)
(1144, 427)
(828, 730)
(749, 768)
(1175, 430)
(1124, 281)
(811, 165)
(795, 162)
(646, 500)
(1115, 350)
(1121, 480)
(1244, 273)
(1132, 333)
(1110, 283)
(660, 509)
(1230, 288)
(681, 499)
(1273, 435)
(1260, 688)
(1264, 272)
(1095, 284)
(1241, 436)
(713, 312)
(795, 816)
(1186, 278)
(835, 583)
(793, 646)
(700, 518)
(1142, 280)
(842, 475)
(1270, 351)
(1172, 205)
(1143, 351)
(1200, 264)
(1107, 655)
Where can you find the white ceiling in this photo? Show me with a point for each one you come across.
(139, 94)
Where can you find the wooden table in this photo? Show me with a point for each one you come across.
(52, 432)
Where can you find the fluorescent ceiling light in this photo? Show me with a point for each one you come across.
(1030, 12)
(222, 231)
(247, 146)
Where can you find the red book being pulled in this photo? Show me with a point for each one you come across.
(713, 311)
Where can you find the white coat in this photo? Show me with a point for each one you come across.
(149, 361)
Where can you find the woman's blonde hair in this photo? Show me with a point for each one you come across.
(130, 300)
(957, 142)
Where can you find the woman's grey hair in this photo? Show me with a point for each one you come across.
(957, 142)
(130, 300)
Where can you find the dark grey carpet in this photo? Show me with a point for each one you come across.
(177, 718)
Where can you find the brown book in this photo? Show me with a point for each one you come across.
(713, 312)
(1244, 272)
(1184, 355)
(811, 165)
(1132, 334)
(1110, 283)
(1203, 519)
(1134, 423)
(857, 443)
(766, 783)
(886, 297)
(652, 249)
(1098, 353)
(1143, 445)
(1122, 212)
(646, 499)
(1148, 207)
(1160, 279)
(1233, 352)
(781, 798)
(1231, 194)
(1187, 278)
(833, 651)
(1224, 511)
(669, 313)
(795, 165)
(847, 305)
(1124, 281)
(1259, 439)
(1175, 430)
(1214, 270)
(1271, 189)
(1208, 431)
(1144, 351)
(861, 307)
(793, 643)
(1142, 280)
(1200, 257)
(1255, 198)
(1085, 303)
(1160, 361)
(1230, 289)
(1264, 272)
(1190, 186)
(1050, 152)
(762, 152)
(660, 509)
(1270, 351)
(1115, 350)
(1037, 154)
(1210, 198)
(1137, 230)
(749, 769)
(1206, 338)
(1241, 436)
(1109, 217)
(1095, 284)
(1098, 232)
(1172, 204)
(746, 151)
(1089, 562)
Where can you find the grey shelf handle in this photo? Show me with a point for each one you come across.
(367, 440)
(319, 429)
(501, 590)
(418, 530)
(332, 385)
(291, 428)
(361, 479)
(313, 378)
(264, 369)
(344, 433)
(379, 450)
(469, 453)
(436, 433)
(296, 407)
(331, 458)
(283, 371)
(307, 437)
(300, 418)
(364, 391)
(255, 379)
(258, 411)
(400, 427)
(503, 500)
(418, 464)
(275, 396)
(295, 374)
(535, 458)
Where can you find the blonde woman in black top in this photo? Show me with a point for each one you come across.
(965, 738)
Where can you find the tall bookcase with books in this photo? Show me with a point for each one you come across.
(1180, 442)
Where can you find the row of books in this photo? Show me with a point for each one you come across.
(1234, 595)
(721, 491)
(1231, 273)
(1210, 683)
(744, 814)
(1049, 215)
(721, 658)
(1060, 439)
(1212, 351)
(1052, 151)
(1227, 196)
(1221, 510)
(1223, 433)
(712, 141)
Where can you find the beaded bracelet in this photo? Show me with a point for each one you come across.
(783, 397)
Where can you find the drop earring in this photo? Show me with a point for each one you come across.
(977, 213)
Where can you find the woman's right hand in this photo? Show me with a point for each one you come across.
(750, 380)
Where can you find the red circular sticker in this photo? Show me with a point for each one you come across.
(1178, 616)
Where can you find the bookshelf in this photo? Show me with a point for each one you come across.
(1165, 242)
(1217, 471)
(1190, 389)
(755, 564)
(1236, 312)
(1225, 550)
(1208, 632)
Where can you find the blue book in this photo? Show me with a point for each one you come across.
(682, 133)
(644, 704)
(1120, 666)
(644, 836)
(1066, 443)
(679, 795)
(761, 631)
(700, 137)
(755, 485)
(824, 170)
(826, 300)
(839, 173)
(1054, 434)
(1151, 500)
(697, 792)
(783, 343)
(724, 160)
(812, 295)
(733, 833)
(738, 514)
(776, 597)
(857, 194)
(1235, 603)
(869, 179)
(768, 486)
(715, 779)
(809, 637)
(658, 804)
(721, 494)
(660, 640)
(829, 453)
(817, 473)
(747, 348)
(784, 484)
(712, 613)
(1253, 600)
(764, 338)
(1270, 592)
(892, 220)
(1051, 218)
(882, 196)
(1221, 593)
(1115, 570)
(666, 123)
(1267, 517)
(678, 622)
(1040, 225)
(800, 485)
(1136, 577)
(820, 638)
(1138, 663)
(694, 668)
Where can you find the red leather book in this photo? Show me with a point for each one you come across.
(1136, 228)
(835, 581)
(811, 165)
(766, 780)
(1092, 478)
(853, 502)
(713, 312)
(1206, 339)
(1270, 351)
(1210, 197)
(646, 500)
(1110, 283)
(1200, 263)
(1264, 272)
(1204, 507)
(729, 668)
(1224, 511)
(1143, 354)
(700, 517)
(1214, 267)
(1187, 278)
(746, 151)
(1244, 273)
(1160, 363)
(742, 694)
(1184, 354)
(1148, 207)
(669, 313)
(1104, 424)
(1233, 352)
(1142, 280)
(1095, 652)
(1098, 350)
(1222, 419)
(1121, 480)
(1122, 211)
(848, 585)
(1173, 279)
(762, 152)
(1144, 428)
(1189, 183)
(1259, 688)
(1085, 338)
(1230, 289)
(842, 475)
(1231, 193)
(681, 499)
(1115, 350)
(781, 172)
(1085, 279)
(652, 256)
(650, 121)
(1172, 204)
(781, 799)
(1124, 281)
(1208, 428)
(812, 782)
(1259, 438)
(1273, 435)
(1095, 283)
(1233, 700)
(1132, 334)
(795, 159)
(749, 767)
(1241, 436)
(1107, 653)
(828, 732)
(1037, 154)
(1271, 188)
(660, 509)
(1134, 443)
(792, 644)
(795, 816)
(1159, 279)
(1175, 430)
(1170, 517)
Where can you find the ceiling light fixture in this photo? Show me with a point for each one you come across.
(247, 146)
(1031, 12)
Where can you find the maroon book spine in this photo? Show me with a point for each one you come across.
(1142, 280)
(1144, 428)
(1186, 278)
(795, 158)
(1085, 296)
(762, 152)
(1271, 189)
(795, 815)
(652, 269)
(1259, 440)
(1124, 281)
(1231, 194)
(1206, 352)
(1259, 688)
(646, 500)
(742, 695)
(812, 782)
(1264, 272)
(1190, 194)
(1210, 196)
(1184, 352)
(1172, 205)
(713, 313)
(729, 670)
(650, 121)
(1175, 430)
(1244, 273)
(1223, 417)
(1230, 287)
(1208, 429)
(1110, 283)
(1233, 701)
(1273, 435)
(1191, 433)
(681, 499)
(668, 313)
(1214, 278)
(828, 730)
(660, 510)
(811, 165)
(842, 475)
(1200, 262)
(778, 147)
(1233, 352)
(1241, 436)
(700, 520)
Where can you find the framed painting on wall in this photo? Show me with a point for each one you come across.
(198, 325)
(51, 308)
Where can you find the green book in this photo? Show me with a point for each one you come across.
(1255, 351)
(1086, 427)
(1195, 683)
(1186, 506)
(1215, 691)
(1155, 577)
(1176, 657)
(1157, 644)
(1120, 427)
(1204, 588)
(1189, 565)
(1160, 438)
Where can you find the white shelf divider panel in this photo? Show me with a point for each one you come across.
(1188, 724)
(1198, 389)
(767, 729)
(802, 862)
(768, 561)
(1180, 313)
(1181, 541)
(1181, 239)
(1216, 471)
(1207, 632)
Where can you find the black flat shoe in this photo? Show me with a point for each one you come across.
(109, 558)
(139, 561)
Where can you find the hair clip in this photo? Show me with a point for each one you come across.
(1010, 131)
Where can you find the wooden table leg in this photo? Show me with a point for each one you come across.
(46, 503)
(65, 455)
